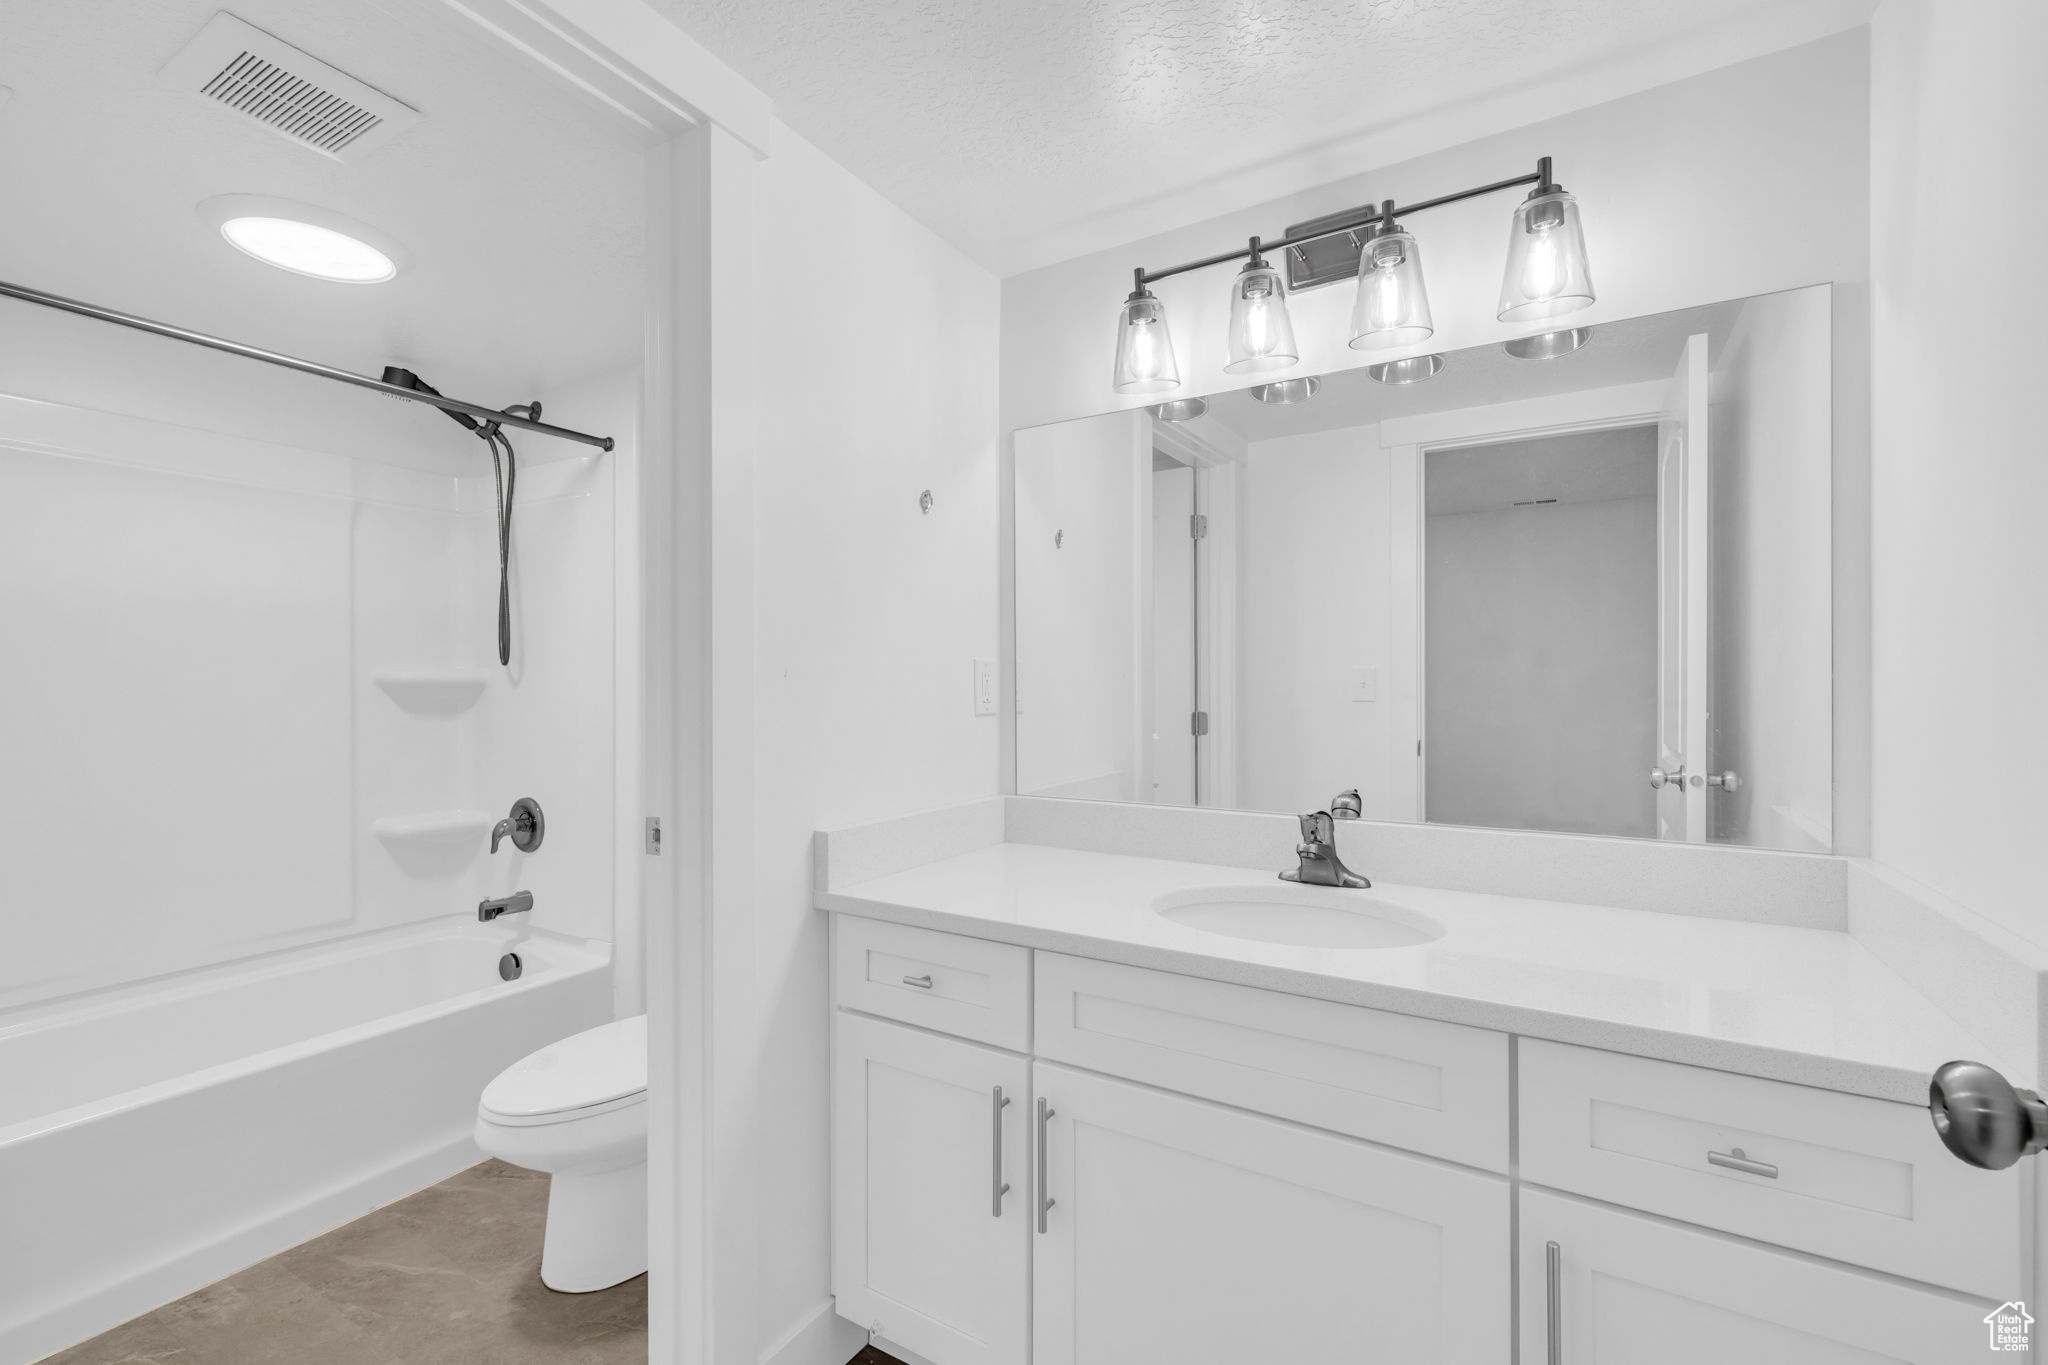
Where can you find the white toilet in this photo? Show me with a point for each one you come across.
(577, 1109)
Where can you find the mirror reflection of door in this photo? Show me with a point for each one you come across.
(1541, 632)
(1174, 742)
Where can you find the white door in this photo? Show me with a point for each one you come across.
(927, 1248)
(1173, 637)
(1682, 600)
(1184, 1232)
(1634, 1289)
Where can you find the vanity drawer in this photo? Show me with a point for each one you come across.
(1855, 1179)
(964, 986)
(1436, 1088)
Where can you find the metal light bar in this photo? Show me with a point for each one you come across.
(1349, 223)
(312, 367)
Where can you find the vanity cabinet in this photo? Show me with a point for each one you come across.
(1623, 1287)
(1182, 1231)
(1206, 1173)
(926, 1243)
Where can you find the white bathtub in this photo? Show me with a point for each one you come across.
(154, 1138)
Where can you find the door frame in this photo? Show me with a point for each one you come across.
(1408, 442)
(702, 128)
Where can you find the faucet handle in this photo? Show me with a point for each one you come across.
(1347, 805)
(1318, 828)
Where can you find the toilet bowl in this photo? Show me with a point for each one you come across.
(577, 1109)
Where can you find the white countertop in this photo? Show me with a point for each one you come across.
(1811, 1006)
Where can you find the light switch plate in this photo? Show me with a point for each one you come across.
(1362, 684)
(984, 687)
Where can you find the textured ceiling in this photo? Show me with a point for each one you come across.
(520, 210)
(1028, 130)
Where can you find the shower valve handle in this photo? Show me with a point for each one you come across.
(525, 826)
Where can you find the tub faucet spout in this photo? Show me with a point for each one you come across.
(511, 905)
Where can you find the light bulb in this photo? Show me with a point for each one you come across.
(1542, 268)
(1144, 346)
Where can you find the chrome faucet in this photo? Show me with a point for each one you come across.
(1320, 865)
(513, 904)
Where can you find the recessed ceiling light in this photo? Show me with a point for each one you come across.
(304, 239)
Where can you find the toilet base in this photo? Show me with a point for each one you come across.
(597, 1229)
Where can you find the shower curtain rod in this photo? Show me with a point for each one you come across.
(289, 362)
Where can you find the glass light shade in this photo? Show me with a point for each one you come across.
(1548, 345)
(1392, 308)
(1282, 392)
(1546, 275)
(1180, 409)
(1410, 370)
(1144, 348)
(1261, 337)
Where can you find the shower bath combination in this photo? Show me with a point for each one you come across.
(505, 474)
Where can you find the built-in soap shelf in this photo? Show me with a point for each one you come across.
(436, 692)
(442, 827)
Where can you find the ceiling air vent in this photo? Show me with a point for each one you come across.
(293, 94)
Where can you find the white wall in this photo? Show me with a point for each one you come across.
(1541, 669)
(1959, 482)
(1313, 605)
(868, 614)
(1084, 568)
(1772, 614)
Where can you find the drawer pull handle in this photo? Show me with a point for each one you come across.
(996, 1186)
(923, 983)
(1736, 1160)
(1553, 1299)
(1045, 1200)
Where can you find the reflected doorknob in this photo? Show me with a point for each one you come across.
(1982, 1118)
(1727, 782)
(1661, 779)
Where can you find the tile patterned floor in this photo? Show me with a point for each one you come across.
(448, 1276)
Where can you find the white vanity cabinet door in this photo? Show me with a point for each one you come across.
(1634, 1289)
(1180, 1231)
(923, 1242)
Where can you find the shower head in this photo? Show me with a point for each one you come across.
(406, 379)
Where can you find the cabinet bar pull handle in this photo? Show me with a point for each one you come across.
(1553, 1284)
(923, 983)
(1738, 1160)
(997, 1187)
(1045, 1201)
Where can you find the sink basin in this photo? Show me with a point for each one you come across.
(1305, 916)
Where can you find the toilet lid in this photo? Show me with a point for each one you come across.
(598, 1066)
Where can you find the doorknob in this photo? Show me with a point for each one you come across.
(1982, 1118)
(1661, 779)
(1727, 782)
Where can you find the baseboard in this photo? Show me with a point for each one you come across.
(822, 1337)
(84, 1318)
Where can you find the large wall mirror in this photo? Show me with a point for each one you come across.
(1590, 593)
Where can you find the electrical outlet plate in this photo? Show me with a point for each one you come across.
(984, 687)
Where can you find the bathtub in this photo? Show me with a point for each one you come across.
(156, 1137)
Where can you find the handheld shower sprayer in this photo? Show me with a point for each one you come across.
(505, 474)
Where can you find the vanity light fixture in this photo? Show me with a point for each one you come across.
(1282, 392)
(1392, 308)
(1261, 337)
(1548, 345)
(1144, 347)
(1546, 277)
(1180, 409)
(1410, 370)
(304, 239)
